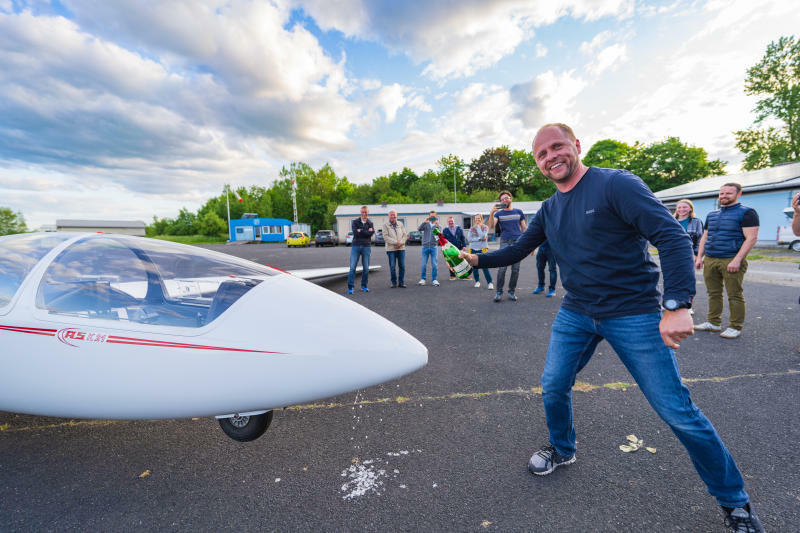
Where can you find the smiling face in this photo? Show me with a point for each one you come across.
(728, 195)
(364, 213)
(557, 154)
(683, 210)
(392, 217)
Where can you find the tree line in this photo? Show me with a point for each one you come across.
(661, 165)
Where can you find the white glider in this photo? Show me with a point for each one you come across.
(120, 327)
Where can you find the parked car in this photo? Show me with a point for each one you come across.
(349, 239)
(414, 237)
(785, 234)
(298, 238)
(379, 240)
(326, 237)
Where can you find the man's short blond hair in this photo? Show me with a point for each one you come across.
(563, 127)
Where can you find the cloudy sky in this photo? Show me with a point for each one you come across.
(126, 109)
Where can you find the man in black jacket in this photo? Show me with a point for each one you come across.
(363, 230)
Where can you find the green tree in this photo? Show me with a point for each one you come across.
(481, 195)
(158, 227)
(489, 171)
(11, 222)
(429, 188)
(402, 181)
(776, 79)
(763, 148)
(452, 169)
(609, 153)
(212, 225)
(670, 163)
(317, 214)
(184, 224)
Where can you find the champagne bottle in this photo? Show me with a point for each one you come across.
(451, 254)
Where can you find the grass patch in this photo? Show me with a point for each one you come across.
(191, 239)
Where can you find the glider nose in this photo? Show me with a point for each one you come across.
(331, 343)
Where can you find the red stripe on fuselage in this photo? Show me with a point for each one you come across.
(166, 344)
(134, 341)
(33, 331)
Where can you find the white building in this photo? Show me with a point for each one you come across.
(126, 227)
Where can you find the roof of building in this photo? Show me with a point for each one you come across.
(469, 208)
(265, 220)
(785, 176)
(66, 223)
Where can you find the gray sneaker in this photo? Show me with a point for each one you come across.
(730, 333)
(707, 326)
(498, 296)
(512, 296)
(743, 520)
(548, 459)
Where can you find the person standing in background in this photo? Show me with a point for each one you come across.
(684, 214)
(545, 256)
(455, 235)
(394, 234)
(478, 242)
(363, 230)
(512, 223)
(730, 233)
(429, 244)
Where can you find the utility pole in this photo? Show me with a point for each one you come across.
(228, 206)
(455, 201)
(294, 196)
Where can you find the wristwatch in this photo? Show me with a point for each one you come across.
(673, 305)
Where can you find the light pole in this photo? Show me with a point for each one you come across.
(228, 206)
(455, 201)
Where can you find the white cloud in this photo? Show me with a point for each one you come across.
(214, 86)
(588, 47)
(390, 98)
(549, 97)
(454, 39)
(695, 89)
(541, 50)
(608, 59)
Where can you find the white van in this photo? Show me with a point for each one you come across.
(785, 234)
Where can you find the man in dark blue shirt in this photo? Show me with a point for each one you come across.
(598, 224)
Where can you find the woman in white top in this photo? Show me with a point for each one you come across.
(478, 242)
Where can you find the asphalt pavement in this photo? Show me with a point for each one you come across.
(445, 448)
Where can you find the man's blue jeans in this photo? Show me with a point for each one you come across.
(429, 251)
(356, 252)
(400, 257)
(652, 364)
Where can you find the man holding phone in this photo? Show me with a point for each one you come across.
(512, 224)
(429, 243)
